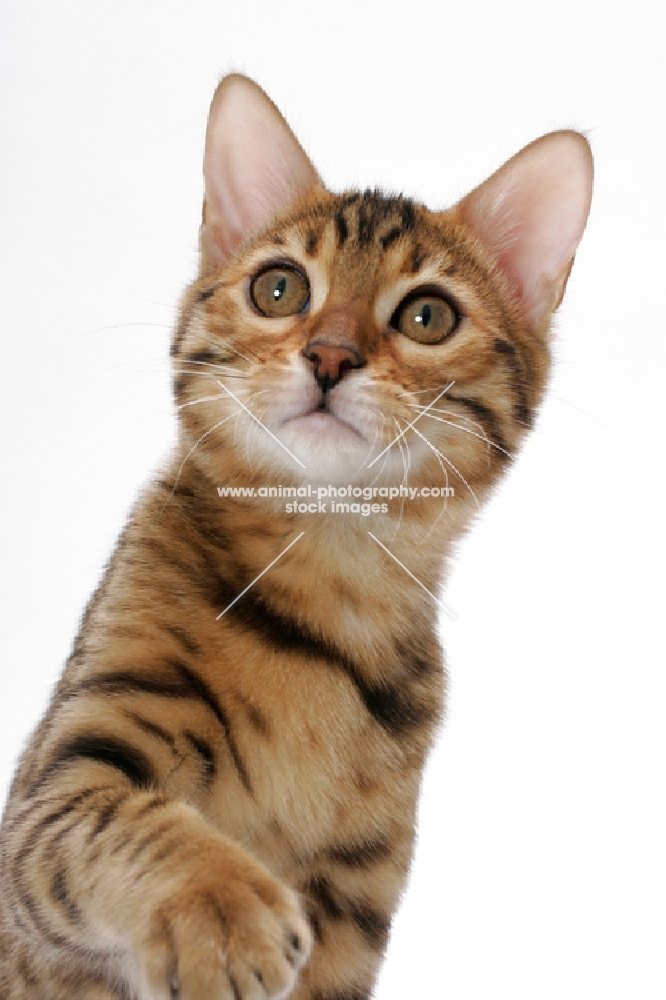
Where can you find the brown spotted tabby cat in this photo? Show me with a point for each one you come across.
(219, 803)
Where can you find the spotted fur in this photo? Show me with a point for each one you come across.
(224, 806)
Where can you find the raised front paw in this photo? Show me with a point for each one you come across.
(230, 931)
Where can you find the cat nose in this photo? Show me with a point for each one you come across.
(331, 362)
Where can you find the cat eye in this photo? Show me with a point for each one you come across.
(280, 291)
(426, 317)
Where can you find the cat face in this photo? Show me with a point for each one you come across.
(361, 338)
(319, 329)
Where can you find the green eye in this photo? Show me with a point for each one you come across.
(425, 318)
(280, 291)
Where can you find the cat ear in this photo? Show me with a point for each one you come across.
(253, 168)
(531, 215)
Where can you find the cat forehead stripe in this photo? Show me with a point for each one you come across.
(367, 217)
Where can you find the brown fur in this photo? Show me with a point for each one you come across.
(197, 784)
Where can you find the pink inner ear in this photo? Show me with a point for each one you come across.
(253, 167)
(531, 215)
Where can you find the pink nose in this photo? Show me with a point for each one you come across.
(331, 362)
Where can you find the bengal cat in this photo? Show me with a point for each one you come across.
(219, 802)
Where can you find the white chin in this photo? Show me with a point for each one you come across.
(325, 445)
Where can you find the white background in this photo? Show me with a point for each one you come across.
(541, 865)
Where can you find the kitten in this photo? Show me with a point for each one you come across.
(220, 799)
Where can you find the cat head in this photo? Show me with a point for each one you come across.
(363, 338)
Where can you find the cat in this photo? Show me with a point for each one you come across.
(219, 801)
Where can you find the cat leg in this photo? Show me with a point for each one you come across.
(129, 884)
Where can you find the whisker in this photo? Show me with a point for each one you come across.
(184, 367)
(189, 360)
(591, 416)
(190, 452)
(452, 413)
(202, 399)
(369, 452)
(259, 359)
(217, 366)
(382, 467)
(214, 375)
(416, 392)
(154, 302)
(258, 392)
(215, 342)
(448, 462)
(404, 479)
(444, 505)
(466, 430)
(120, 326)
(401, 444)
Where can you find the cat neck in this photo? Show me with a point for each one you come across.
(353, 577)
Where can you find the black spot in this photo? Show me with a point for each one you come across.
(389, 705)
(164, 852)
(38, 920)
(373, 210)
(179, 384)
(320, 890)
(166, 557)
(60, 895)
(106, 749)
(393, 710)
(187, 641)
(176, 490)
(522, 412)
(181, 682)
(277, 630)
(32, 909)
(126, 631)
(179, 335)
(131, 682)
(205, 752)
(360, 855)
(408, 217)
(156, 802)
(419, 660)
(312, 244)
(256, 718)
(106, 815)
(418, 256)
(503, 346)
(27, 974)
(152, 728)
(150, 838)
(373, 925)
(206, 294)
(199, 689)
(487, 417)
(315, 925)
(333, 905)
(54, 817)
(341, 225)
(366, 222)
(390, 237)
(203, 356)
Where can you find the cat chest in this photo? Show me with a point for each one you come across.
(305, 762)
